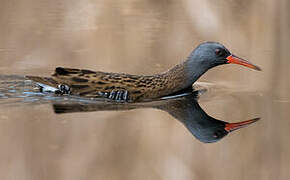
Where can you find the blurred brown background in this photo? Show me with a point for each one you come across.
(145, 37)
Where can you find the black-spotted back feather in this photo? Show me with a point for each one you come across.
(89, 83)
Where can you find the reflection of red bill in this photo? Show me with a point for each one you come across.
(236, 60)
(234, 126)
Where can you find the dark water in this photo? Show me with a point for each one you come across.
(145, 140)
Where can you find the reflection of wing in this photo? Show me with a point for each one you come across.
(89, 106)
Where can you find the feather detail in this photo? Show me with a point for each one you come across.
(89, 83)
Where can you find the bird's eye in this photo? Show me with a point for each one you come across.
(218, 134)
(215, 135)
(219, 52)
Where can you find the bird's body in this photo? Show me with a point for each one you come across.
(126, 87)
(101, 84)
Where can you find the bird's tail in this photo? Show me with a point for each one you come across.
(43, 81)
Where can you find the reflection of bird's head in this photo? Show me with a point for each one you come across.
(208, 131)
(202, 126)
(212, 130)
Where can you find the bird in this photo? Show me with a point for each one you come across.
(185, 109)
(123, 87)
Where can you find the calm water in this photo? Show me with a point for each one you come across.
(143, 140)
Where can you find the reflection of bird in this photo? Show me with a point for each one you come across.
(126, 87)
(185, 109)
(204, 127)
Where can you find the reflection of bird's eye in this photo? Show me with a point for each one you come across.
(218, 134)
(215, 135)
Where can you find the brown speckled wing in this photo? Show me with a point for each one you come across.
(100, 84)
(85, 82)
(95, 83)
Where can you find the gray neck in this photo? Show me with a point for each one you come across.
(183, 75)
(194, 69)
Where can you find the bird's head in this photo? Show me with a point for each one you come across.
(211, 54)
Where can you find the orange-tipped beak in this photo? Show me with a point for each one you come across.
(236, 60)
(234, 126)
